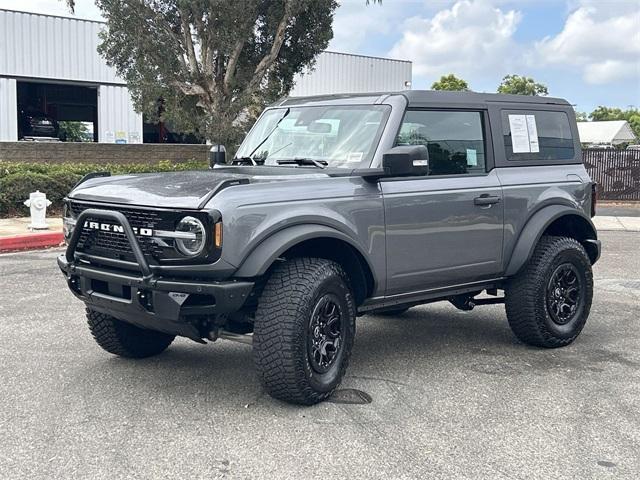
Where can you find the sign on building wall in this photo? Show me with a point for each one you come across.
(121, 136)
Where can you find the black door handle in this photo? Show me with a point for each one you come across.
(486, 200)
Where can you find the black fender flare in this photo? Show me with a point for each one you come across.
(533, 230)
(265, 253)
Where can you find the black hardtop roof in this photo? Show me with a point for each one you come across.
(432, 96)
(426, 97)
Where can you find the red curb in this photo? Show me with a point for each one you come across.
(31, 241)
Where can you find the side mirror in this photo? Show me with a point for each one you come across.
(406, 160)
(217, 155)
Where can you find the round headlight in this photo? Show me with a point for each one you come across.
(194, 244)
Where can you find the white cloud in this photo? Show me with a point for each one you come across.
(84, 8)
(355, 23)
(470, 37)
(602, 39)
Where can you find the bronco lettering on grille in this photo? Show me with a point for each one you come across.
(110, 227)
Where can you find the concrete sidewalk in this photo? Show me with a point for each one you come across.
(612, 223)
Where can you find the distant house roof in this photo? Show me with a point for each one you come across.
(612, 132)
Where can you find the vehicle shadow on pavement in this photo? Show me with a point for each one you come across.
(418, 342)
(224, 371)
(434, 329)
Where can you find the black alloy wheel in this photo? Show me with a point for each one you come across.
(564, 293)
(324, 339)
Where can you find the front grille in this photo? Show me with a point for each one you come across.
(116, 245)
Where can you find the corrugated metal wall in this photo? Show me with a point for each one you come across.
(344, 73)
(117, 121)
(49, 48)
(8, 110)
(43, 46)
(55, 49)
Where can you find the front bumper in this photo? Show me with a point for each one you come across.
(146, 299)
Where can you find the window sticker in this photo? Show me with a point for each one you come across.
(532, 130)
(355, 157)
(519, 134)
(472, 157)
(524, 134)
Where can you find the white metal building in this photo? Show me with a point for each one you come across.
(52, 62)
(39, 50)
(613, 132)
(345, 73)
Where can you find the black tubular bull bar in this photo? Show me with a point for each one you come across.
(167, 311)
(128, 231)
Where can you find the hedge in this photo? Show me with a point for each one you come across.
(18, 179)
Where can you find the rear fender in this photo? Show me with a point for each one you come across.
(536, 226)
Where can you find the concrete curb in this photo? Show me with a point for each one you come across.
(30, 241)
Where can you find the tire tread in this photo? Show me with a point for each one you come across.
(123, 339)
(522, 299)
(279, 343)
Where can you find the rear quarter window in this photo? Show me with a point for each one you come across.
(537, 135)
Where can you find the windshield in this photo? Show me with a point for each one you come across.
(338, 136)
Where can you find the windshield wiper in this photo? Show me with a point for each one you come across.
(303, 161)
(275, 127)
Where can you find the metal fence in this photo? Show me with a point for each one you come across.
(616, 171)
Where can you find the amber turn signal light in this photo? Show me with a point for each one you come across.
(217, 234)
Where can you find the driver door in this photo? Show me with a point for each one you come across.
(444, 228)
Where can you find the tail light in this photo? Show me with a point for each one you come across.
(594, 198)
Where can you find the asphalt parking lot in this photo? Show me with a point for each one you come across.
(454, 395)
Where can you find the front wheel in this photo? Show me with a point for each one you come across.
(126, 340)
(548, 302)
(304, 330)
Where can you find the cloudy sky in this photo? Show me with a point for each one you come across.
(587, 51)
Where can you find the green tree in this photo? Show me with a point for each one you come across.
(213, 63)
(581, 116)
(74, 132)
(631, 115)
(450, 83)
(521, 85)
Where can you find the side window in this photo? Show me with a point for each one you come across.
(537, 135)
(455, 140)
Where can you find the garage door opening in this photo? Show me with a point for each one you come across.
(54, 112)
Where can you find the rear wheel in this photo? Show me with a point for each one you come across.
(124, 339)
(304, 330)
(548, 302)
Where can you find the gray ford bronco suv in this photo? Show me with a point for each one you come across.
(338, 206)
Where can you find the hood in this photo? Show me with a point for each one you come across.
(186, 190)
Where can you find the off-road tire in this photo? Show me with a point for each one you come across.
(392, 312)
(282, 329)
(124, 339)
(526, 294)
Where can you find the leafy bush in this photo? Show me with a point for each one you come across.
(18, 179)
